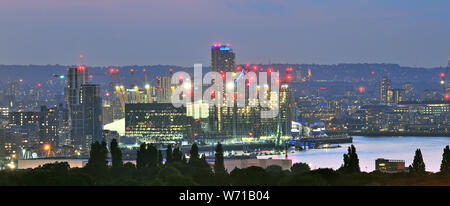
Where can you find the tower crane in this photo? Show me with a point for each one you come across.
(135, 86)
(118, 85)
(445, 82)
(147, 85)
(122, 90)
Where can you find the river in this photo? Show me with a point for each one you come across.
(371, 148)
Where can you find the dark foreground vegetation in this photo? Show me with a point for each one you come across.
(177, 171)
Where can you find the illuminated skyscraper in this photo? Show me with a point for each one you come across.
(385, 86)
(91, 102)
(75, 78)
(164, 90)
(222, 58)
(395, 95)
(85, 108)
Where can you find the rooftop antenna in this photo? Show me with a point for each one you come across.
(81, 59)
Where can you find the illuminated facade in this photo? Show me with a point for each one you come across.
(385, 87)
(164, 91)
(91, 102)
(390, 166)
(157, 122)
(53, 124)
(228, 122)
(75, 78)
(222, 58)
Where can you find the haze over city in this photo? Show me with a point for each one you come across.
(250, 99)
(176, 32)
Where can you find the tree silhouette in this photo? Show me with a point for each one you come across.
(445, 164)
(153, 155)
(98, 162)
(194, 152)
(219, 165)
(351, 161)
(147, 156)
(169, 153)
(177, 155)
(300, 168)
(141, 156)
(116, 154)
(418, 166)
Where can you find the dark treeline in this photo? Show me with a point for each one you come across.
(151, 170)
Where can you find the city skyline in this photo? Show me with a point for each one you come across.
(224, 93)
(409, 33)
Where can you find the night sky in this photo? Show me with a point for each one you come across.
(179, 32)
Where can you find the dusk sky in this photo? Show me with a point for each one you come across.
(179, 32)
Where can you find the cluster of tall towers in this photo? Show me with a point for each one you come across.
(389, 94)
(84, 103)
(240, 122)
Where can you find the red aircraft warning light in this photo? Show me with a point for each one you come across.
(442, 74)
(361, 89)
(81, 68)
(289, 77)
(111, 70)
(447, 96)
(289, 70)
(39, 84)
(270, 70)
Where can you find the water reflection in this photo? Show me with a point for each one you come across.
(371, 148)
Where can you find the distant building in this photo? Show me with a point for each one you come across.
(389, 166)
(222, 58)
(22, 129)
(85, 108)
(91, 102)
(52, 124)
(75, 78)
(157, 122)
(109, 135)
(395, 95)
(164, 94)
(408, 87)
(425, 108)
(4, 112)
(384, 86)
(23, 117)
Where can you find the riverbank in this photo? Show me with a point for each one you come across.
(371, 148)
(400, 134)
